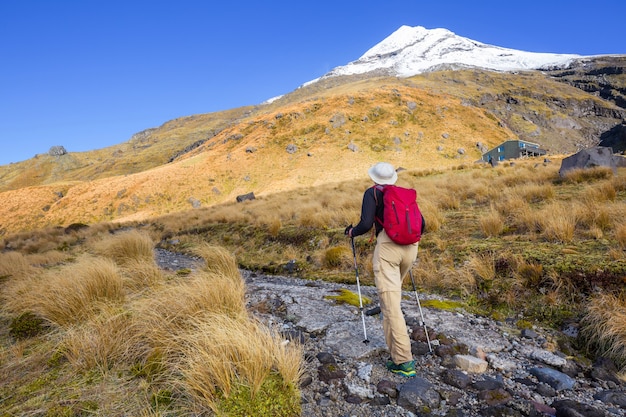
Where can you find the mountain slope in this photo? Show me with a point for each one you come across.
(314, 142)
(147, 149)
(326, 131)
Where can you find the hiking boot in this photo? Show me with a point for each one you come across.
(406, 369)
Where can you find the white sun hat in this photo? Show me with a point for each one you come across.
(383, 173)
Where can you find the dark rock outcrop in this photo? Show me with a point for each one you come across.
(589, 158)
(244, 197)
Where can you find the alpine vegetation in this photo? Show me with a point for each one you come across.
(126, 337)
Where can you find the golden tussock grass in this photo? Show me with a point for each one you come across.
(558, 221)
(140, 275)
(600, 192)
(535, 193)
(516, 213)
(448, 201)
(433, 217)
(482, 266)
(40, 241)
(49, 258)
(425, 272)
(439, 274)
(14, 264)
(616, 254)
(103, 341)
(219, 261)
(620, 235)
(186, 333)
(217, 289)
(126, 246)
(580, 175)
(168, 309)
(530, 274)
(604, 325)
(68, 295)
(619, 182)
(492, 223)
(274, 227)
(223, 357)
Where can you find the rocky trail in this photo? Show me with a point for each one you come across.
(477, 366)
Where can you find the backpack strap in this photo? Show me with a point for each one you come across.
(380, 188)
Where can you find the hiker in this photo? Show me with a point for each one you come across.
(391, 263)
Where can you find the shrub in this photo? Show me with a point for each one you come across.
(27, 325)
(336, 256)
(530, 274)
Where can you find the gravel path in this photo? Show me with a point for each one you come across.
(525, 374)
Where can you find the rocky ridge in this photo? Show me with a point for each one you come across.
(477, 367)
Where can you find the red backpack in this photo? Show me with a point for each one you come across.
(402, 219)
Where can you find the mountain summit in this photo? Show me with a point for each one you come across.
(413, 50)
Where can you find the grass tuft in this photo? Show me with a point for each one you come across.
(580, 175)
(218, 261)
(239, 368)
(620, 235)
(492, 224)
(126, 247)
(604, 326)
(71, 294)
(14, 264)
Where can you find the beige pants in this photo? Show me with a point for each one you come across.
(391, 264)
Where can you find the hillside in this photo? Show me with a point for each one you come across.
(324, 132)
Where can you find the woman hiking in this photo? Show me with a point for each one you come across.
(391, 263)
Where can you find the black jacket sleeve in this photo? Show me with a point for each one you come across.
(371, 208)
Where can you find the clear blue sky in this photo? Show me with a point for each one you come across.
(87, 74)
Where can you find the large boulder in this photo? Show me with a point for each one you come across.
(245, 197)
(57, 151)
(598, 156)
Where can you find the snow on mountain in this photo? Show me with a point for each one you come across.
(413, 50)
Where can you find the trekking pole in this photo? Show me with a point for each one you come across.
(430, 349)
(358, 286)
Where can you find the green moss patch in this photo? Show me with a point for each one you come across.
(275, 398)
(446, 305)
(348, 297)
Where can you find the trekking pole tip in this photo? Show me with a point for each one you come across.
(366, 341)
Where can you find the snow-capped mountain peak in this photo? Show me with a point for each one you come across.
(413, 50)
